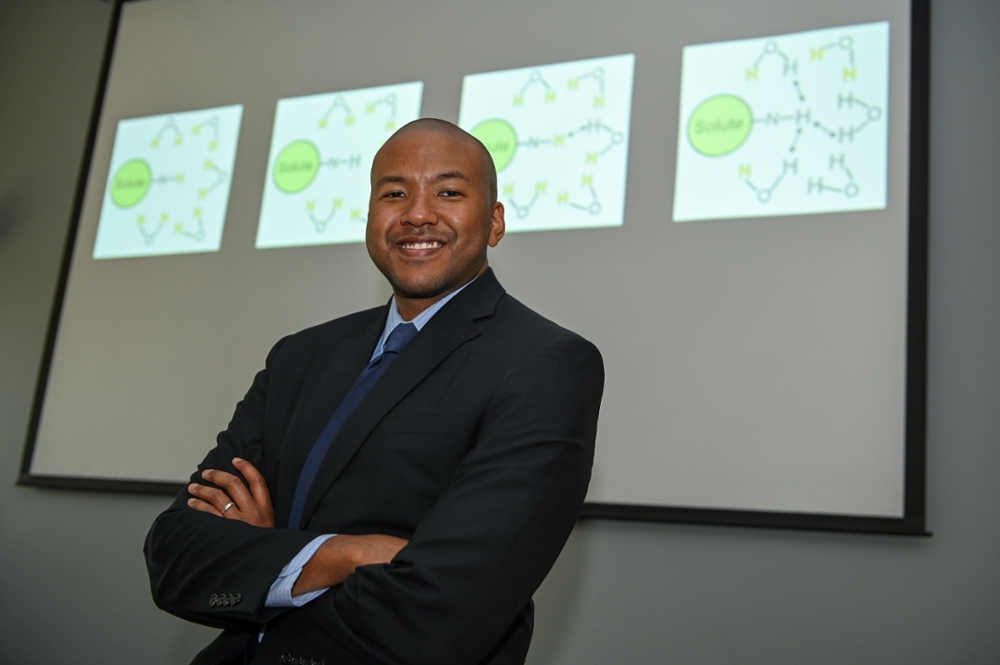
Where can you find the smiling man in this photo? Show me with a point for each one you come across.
(397, 482)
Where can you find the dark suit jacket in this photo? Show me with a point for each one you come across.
(476, 445)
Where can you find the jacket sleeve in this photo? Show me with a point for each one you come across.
(211, 570)
(487, 544)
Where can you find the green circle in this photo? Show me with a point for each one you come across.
(499, 138)
(131, 182)
(720, 125)
(296, 166)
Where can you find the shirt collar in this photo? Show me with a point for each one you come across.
(420, 320)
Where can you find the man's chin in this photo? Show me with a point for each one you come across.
(418, 286)
(420, 291)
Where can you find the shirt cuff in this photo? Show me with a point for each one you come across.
(280, 594)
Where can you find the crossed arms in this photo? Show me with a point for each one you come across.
(447, 593)
(228, 497)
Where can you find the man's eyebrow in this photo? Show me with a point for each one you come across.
(389, 178)
(447, 175)
(453, 175)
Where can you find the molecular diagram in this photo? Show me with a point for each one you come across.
(581, 145)
(792, 124)
(134, 179)
(839, 179)
(801, 119)
(301, 161)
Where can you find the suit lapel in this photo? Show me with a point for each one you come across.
(446, 331)
(345, 365)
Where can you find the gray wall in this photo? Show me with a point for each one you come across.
(72, 583)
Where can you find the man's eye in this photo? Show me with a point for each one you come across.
(451, 192)
(394, 194)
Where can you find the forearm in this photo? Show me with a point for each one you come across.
(328, 567)
(339, 557)
(191, 557)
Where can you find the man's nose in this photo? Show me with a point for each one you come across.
(421, 210)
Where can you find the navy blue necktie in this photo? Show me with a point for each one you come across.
(400, 336)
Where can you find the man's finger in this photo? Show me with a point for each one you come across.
(258, 486)
(210, 495)
(204, 507)
(232, 486)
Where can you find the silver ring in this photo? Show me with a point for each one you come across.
(227, 507)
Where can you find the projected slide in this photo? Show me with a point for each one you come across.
(322, 147)
(168, 186)
(559, 138)
(785, 125)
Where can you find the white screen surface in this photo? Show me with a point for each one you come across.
(754, 361)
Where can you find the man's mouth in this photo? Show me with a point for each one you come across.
(423, 244)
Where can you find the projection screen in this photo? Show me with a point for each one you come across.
(728, 198)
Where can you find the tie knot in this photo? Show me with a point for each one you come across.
(400, 336)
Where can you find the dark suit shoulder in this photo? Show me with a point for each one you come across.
(520, 319)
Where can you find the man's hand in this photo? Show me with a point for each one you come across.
(339, 557)
(334, 562)
(252, 506)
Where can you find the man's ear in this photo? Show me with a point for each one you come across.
(497, 224)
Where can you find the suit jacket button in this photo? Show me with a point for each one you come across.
(213, 601)
(285, 659)
(238, 598)
(231, 598)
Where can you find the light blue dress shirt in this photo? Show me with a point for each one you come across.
(280, 594)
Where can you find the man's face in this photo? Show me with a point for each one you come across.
(429, 217)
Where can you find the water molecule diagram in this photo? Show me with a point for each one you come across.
(321, 150)
(171, 184)
(558, 138)
(135, 178)
(804, 130)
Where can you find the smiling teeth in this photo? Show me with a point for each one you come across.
(421, 245)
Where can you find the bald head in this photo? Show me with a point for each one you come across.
(454, 131)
